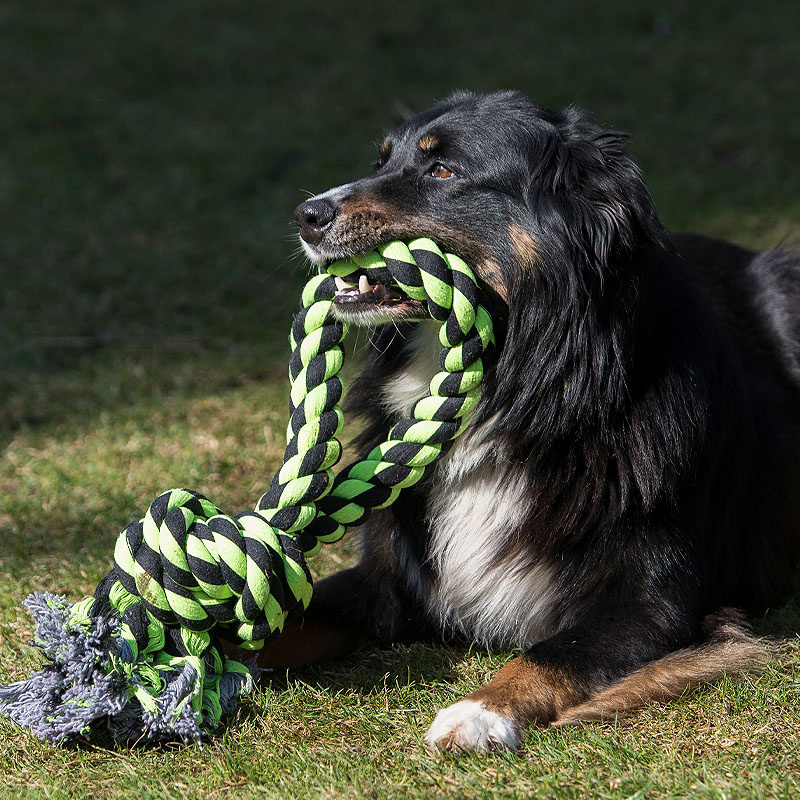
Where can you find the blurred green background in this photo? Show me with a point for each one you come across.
(152, 153)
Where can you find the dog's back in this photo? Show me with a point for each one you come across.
(756, 299)
(755, 295)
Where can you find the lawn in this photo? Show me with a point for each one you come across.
(153, 153)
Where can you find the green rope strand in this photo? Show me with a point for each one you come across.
(448, 286)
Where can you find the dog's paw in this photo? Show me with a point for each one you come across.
(469, 727)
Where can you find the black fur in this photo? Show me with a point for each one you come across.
(647, 384)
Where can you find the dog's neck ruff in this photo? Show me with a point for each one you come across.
(142, 656)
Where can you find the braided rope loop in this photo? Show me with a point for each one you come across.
(448, 286)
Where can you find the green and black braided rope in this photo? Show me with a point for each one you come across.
(195, 568)
(186, 571)
(448, 287)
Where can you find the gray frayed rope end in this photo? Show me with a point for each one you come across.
(87, 691)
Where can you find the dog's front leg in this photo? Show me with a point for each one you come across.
(332, 627)
(556, 675)
(348, 609)
(305, 642)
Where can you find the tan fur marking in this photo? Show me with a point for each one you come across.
(489, 271)
(530, 693)
(384, 150)
(527, 693)
(670, 676)
(360, 205)
(525, 246)
(428, 143)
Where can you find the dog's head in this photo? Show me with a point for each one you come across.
(523, 194)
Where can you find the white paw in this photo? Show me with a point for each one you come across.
(468, 726)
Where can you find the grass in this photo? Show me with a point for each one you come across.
(152, 155)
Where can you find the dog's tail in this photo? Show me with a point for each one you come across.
(728, 649)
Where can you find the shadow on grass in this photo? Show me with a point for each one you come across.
(783, 622)
(73, 388)
(375, 668)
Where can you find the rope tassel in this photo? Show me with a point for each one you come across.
(141, 660)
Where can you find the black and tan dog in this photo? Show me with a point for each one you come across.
(633, 469)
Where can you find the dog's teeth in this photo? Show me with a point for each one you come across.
(363, 284)
(341, 283)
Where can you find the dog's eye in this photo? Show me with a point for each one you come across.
(440, 171)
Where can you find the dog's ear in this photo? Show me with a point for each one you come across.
(586, 193)
(591, 219)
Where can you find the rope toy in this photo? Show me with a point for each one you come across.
(141, 659)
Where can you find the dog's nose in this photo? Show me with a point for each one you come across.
(313, 217)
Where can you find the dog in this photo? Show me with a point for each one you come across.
(631, 476)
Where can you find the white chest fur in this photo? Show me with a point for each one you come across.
(475, 507)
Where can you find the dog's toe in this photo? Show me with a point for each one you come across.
(468, 726)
